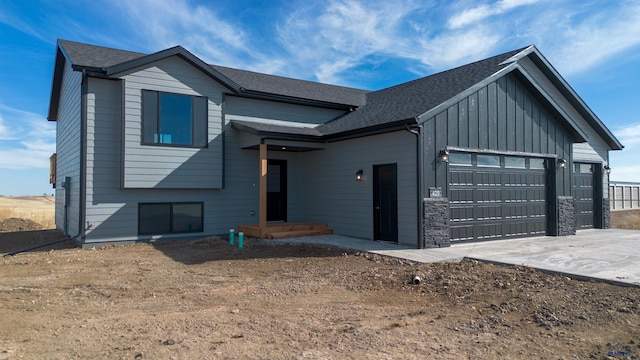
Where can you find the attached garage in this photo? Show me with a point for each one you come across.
(495, 196)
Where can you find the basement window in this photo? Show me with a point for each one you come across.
(170, 218)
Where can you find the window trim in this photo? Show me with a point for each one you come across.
(148, 110)
(171, 221)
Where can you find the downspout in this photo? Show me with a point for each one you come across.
(419, 189)
(83, 151)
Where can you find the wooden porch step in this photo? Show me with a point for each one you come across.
(298, 233)
(285, 230)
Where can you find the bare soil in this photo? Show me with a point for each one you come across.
(205, 299)
(626, 219)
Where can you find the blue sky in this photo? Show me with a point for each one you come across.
(594, 44)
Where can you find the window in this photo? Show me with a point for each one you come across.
(513, 162)
(536, 163)
(169, 218)
(459, 159)
(173, 119)
(488, 160)
(583, 168)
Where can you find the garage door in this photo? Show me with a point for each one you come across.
(584, 193)
(496, 197)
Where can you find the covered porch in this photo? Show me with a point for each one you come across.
(273, 217)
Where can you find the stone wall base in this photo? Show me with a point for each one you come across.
(606, 214)
(436, 223)
(567, 221)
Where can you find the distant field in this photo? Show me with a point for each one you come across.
(40, 209)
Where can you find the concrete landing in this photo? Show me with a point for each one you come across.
(610, 255)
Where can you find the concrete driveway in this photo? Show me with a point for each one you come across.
(611, 255)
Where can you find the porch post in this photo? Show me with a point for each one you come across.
(263, 189)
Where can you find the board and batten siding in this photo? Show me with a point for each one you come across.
(594, 150)
(171, 167)
(333, 196)
(503, 116)
(68, 149)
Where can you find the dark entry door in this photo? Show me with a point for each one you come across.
(583, 187)
(385, 202)
(276, 190)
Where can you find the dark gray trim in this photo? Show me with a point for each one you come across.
(598, 200)
(417, 131)
(56, 84)
(82, 190)
(174, 51)
(498, 152)
(223, 134)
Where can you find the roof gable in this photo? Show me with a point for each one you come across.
(407, 101)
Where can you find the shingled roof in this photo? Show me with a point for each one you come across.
(407, 101)
(384, 109)
(99, 59)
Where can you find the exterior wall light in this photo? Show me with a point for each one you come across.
(359, 175)
(562, 163)
(607, 169)
(443, 155)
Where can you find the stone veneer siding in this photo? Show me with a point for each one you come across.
(606, 214)
(436, 223)
(567, 222)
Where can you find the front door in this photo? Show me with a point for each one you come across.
(276, 190)
(385, 202)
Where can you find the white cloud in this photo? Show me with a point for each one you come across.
(580, 38)
(624, 163)
(166, 23)
(481, 12)
(629, 136)
(26, 139)
(5, 133)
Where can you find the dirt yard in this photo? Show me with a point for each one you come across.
(626, 219)
(208, 300)
(205, 299)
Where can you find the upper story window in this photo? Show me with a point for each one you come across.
(173, 119)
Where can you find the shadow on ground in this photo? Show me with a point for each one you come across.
(217, 248)
(21, 240)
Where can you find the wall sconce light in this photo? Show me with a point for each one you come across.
(443, 155)
(607, 169)
(359, 175)
(562, 163)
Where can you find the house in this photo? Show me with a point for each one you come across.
(165, 146)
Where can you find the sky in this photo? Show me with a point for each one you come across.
(367, 44)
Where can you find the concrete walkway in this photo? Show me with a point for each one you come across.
(611, 255)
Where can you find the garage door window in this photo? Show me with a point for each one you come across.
(488, 160)
(513, 162)
(460, 159)
(536, 164)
